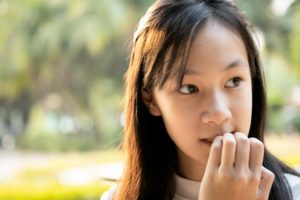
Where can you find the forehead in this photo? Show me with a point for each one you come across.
(216, 45)
(215, 34)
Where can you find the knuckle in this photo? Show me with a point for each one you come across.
(254, 178)
(268, 174)
(271, 177)
(271, 174)
(242, 178)
(226, 176)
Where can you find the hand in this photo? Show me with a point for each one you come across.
(234, 170)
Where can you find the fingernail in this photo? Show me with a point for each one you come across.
(218, 140)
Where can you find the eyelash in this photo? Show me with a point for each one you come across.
(192, 88)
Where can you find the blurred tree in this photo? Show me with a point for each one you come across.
(65, 48)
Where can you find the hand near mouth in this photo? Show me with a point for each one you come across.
(234, 170)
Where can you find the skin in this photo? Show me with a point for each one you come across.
(209, 118)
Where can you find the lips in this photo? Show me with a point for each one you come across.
(211, 139)
(208, 141)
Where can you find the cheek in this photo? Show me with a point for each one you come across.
(177, 117)
(174, 115)
(242, 111)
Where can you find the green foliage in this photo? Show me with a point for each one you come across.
(275, 119)
(296, 121)
(65, 59)
(279, 78)
(295, 41)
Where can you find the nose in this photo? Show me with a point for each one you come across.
(217, 111)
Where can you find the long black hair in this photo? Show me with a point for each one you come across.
(167, 31)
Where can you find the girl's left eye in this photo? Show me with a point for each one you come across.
(234, 82)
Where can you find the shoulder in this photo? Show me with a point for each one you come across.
(294, 182)
(109, 194)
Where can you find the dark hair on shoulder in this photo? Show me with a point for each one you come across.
(168, 29)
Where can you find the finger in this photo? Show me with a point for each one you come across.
(265, 185)
(214, 158)
(256, 155)
(228, 151)
(242, 151)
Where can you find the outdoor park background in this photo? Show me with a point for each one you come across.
(61, 85)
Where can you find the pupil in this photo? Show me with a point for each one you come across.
(191, 88)
(235, 81)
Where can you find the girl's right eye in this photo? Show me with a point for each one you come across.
(188, 89)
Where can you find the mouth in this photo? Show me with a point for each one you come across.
(210, 140)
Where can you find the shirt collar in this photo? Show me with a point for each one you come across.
(187, 188)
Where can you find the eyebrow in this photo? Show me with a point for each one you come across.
(234, 64)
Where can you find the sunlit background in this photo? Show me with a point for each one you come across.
(61, 85)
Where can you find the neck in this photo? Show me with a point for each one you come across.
(189, 168)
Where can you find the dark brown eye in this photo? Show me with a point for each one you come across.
(234, 82)
(188, 89)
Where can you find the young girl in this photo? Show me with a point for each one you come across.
(195, 110)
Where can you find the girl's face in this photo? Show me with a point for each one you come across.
(214, 98)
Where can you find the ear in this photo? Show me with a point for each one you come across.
(150, 103)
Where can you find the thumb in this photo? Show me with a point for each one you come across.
(266, 181)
